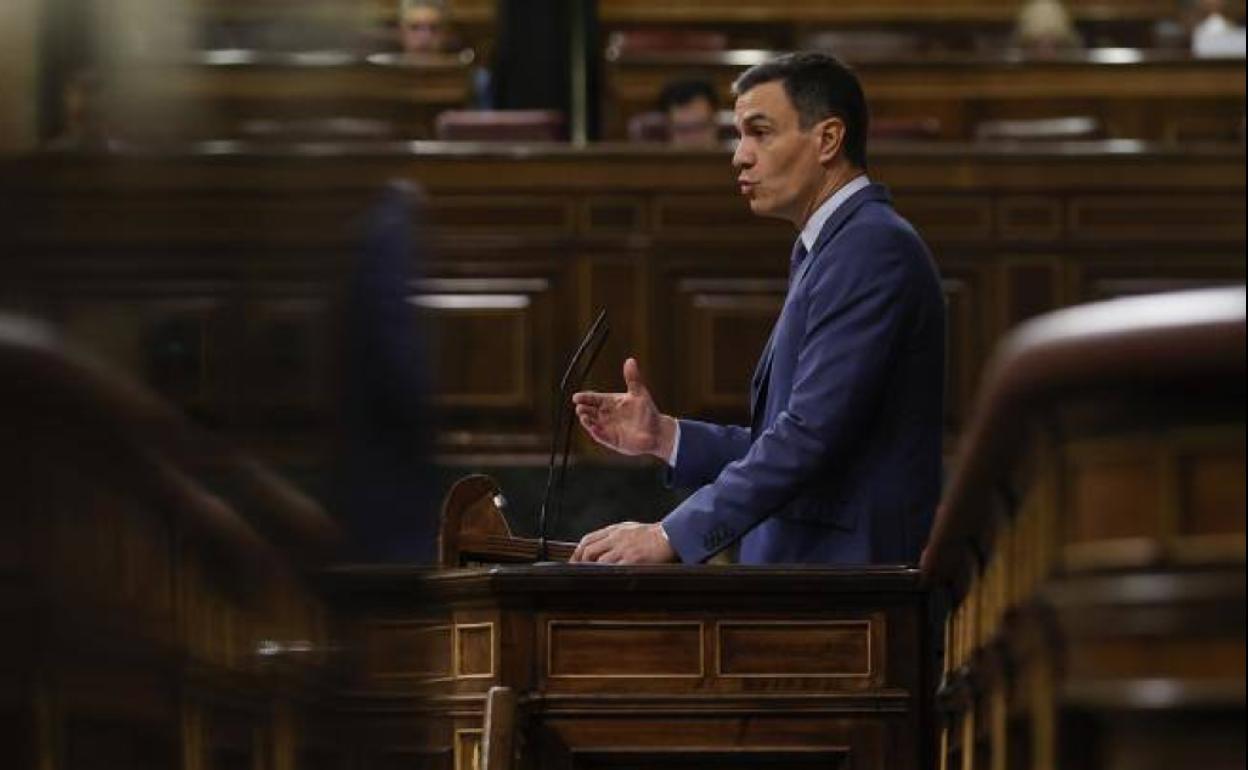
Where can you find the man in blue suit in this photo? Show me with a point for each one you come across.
(841, 461)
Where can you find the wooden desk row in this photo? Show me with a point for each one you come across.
(808, 11)
(280, 97)
(246, 95)
(210, 274)
(1134, 94)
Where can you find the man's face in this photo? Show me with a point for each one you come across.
(777, 162)
(692, 124)
(422, 30)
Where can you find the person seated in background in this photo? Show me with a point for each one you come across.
(691, 107)
(1213, 33)
(1044, 27)
(423, 26)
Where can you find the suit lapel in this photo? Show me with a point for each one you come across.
(843, 213)
(758, 383)
(762, 372)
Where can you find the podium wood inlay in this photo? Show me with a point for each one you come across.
(401, 650)
(474, 650)
(638, 649)
(795, 649)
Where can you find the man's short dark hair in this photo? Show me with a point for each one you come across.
(681, 92)
(820, 87)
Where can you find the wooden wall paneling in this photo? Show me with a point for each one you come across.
(615, 281)
(618, 215)
(721, 328)
(286, 351)
(1029, 218)
(963, 340)
(1026, 287)
(227, 247)
(946, 218)
(1157, 218)
(687, 217)
(483, 214)
(492, 343)
(1135, 271)
(182, 346)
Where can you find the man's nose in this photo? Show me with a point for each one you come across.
(741, 156)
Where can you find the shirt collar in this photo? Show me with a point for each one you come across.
(814, 225)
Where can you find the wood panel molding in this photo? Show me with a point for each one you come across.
(786, 649)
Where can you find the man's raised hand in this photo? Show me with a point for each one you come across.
(629, 422)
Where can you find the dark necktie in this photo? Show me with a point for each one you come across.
(796, 259)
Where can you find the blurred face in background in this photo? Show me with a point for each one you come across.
(692, 124)
(423, 29)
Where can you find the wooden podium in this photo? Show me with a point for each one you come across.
(635, 667)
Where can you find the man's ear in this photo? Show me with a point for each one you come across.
(831, 133)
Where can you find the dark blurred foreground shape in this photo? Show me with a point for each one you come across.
(383, 480)
(157, 607)
(1092, 541)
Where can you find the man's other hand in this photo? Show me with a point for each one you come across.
(625, 543)
(628, 422)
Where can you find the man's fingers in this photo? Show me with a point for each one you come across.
(588, 398)
(632, 377)
(593, 545)
(578, 554)
(598, 549)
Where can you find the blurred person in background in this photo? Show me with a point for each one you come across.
(1044, 28)
(1214, 33)
(691, 107)
(423, 26)
(383, 479)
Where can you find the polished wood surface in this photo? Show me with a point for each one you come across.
(652, 667)
(474, 530)
(1134, 94)
(190, 269)
(1093, 536)
(259, 96)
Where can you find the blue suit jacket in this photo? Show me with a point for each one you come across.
(841, 464)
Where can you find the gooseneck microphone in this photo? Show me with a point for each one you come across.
(562, 417)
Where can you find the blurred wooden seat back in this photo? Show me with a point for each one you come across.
(1060, 129)
(501, 126)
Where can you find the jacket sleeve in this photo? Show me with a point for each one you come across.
(704, 451)
(857, 301)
